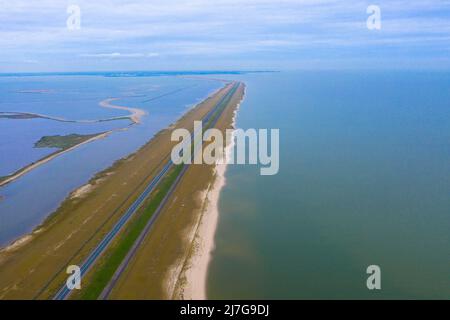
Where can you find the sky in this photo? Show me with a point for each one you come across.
(44, 35)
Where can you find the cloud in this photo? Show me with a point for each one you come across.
(214, 31)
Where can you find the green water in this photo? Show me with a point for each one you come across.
(364, 179)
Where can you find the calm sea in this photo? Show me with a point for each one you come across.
(364, 180)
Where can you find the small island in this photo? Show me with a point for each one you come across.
(63, 142)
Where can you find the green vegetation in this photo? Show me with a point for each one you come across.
(60, 142)
(117, 253)
(109, 264)
(126, 180)
(63, 142)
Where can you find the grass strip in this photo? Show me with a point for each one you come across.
(106, 269)
(109, 264)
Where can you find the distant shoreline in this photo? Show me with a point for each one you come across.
(135, 73)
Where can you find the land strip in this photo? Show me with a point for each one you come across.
(157, 269)
(36, 269)
(156, 195)
(19, 173)
(135, 117)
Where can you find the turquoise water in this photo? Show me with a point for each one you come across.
(26, 202)
(364, 179)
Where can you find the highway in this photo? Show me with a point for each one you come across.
(106, 292)
(212, 117)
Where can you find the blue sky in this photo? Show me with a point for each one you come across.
(223, 34)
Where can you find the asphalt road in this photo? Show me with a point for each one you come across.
(106, 292)
(65, 292)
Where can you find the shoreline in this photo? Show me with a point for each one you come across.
(72, 230)
(18, 242)
(171, 238)
(29, 115)
(135, 113)
(16, 175)
(135, 117)
(197, 265)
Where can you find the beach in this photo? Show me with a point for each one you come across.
(235, 153)
(172, 240)
(359, 180)
(196, 268)
(73, 230)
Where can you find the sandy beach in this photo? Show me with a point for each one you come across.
(196, 272)
(171, 240)
(65, 231)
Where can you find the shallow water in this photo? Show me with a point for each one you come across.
(364, 180)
